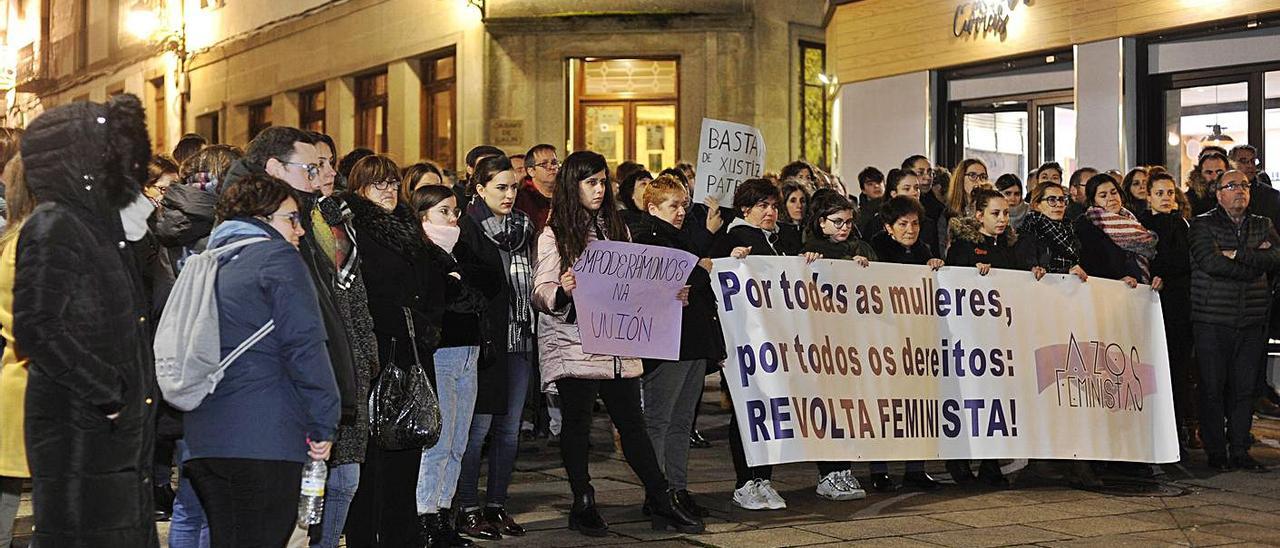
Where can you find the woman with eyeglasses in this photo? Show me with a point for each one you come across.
(406, 290)
(1113, 243)
(277, 406)
(1048, 240)
(582, 210)
(468, 286)
(969, 175)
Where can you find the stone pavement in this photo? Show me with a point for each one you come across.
(1200, 508)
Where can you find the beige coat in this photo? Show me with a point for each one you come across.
(559, 345)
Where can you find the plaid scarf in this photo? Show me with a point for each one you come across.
(335, 213)
(513, 234)
(1125, 231)
(1057, 237)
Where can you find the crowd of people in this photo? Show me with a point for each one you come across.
(336, 271)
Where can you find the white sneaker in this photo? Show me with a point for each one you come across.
(771, 496)
(851, 482)
(748, 497)
(836, 486)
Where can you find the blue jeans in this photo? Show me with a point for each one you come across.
(188, 527)
(456, 387)
(503, 447)
(339, 489)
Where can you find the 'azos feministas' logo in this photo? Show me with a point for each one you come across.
(1095, 374)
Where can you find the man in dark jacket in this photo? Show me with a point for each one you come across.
(1264, 200)
(80, 314)
(1232, 252)
(289, 154)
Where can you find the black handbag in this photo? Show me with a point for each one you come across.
(404, 412)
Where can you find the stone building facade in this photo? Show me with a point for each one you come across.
(432, 78)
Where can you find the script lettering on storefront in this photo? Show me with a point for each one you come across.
(983, 18)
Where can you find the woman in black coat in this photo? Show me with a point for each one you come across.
(401, 281)
(1172, 264)
(984, 241)
(672, 388)
(1113, 244)
(80, 314)
(501, 239)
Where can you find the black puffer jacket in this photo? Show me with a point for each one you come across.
(183, 222)
(80, 314)
(969, 246)
(1232, 292)
(701, 337)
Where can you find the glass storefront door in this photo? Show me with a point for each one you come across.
(999, 139)
(1200, 116)
(1271, 123)
(1015, 135)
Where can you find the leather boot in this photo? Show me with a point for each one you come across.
(1082, 475)
(989, 472)
(668, 513)
(960, 471)
(691, 506)
(473, 524)
(497, 517)
(585, 518)
(449, 536)
(428, 530)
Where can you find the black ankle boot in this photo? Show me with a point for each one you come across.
(990, 473)
(449, 536)
(691, 506)
(960, 471)
(585, 518)
(428, 530)
(668, 513)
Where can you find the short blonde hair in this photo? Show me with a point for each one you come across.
(661, 189)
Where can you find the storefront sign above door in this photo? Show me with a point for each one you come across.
(984, 18)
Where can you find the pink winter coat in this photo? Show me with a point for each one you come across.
(559, 345)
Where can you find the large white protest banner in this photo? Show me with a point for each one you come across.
(833, 361)
(728, 153)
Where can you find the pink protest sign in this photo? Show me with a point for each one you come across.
(626, 299)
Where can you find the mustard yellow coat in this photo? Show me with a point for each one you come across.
(13, 375)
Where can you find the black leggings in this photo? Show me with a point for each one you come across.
(622, 400)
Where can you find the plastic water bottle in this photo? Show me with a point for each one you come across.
(311, 499)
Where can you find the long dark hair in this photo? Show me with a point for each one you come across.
(569, 221)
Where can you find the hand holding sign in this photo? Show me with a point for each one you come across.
(728, 153)
(629, 298)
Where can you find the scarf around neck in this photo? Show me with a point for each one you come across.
(513, 234)
(1126, 232)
